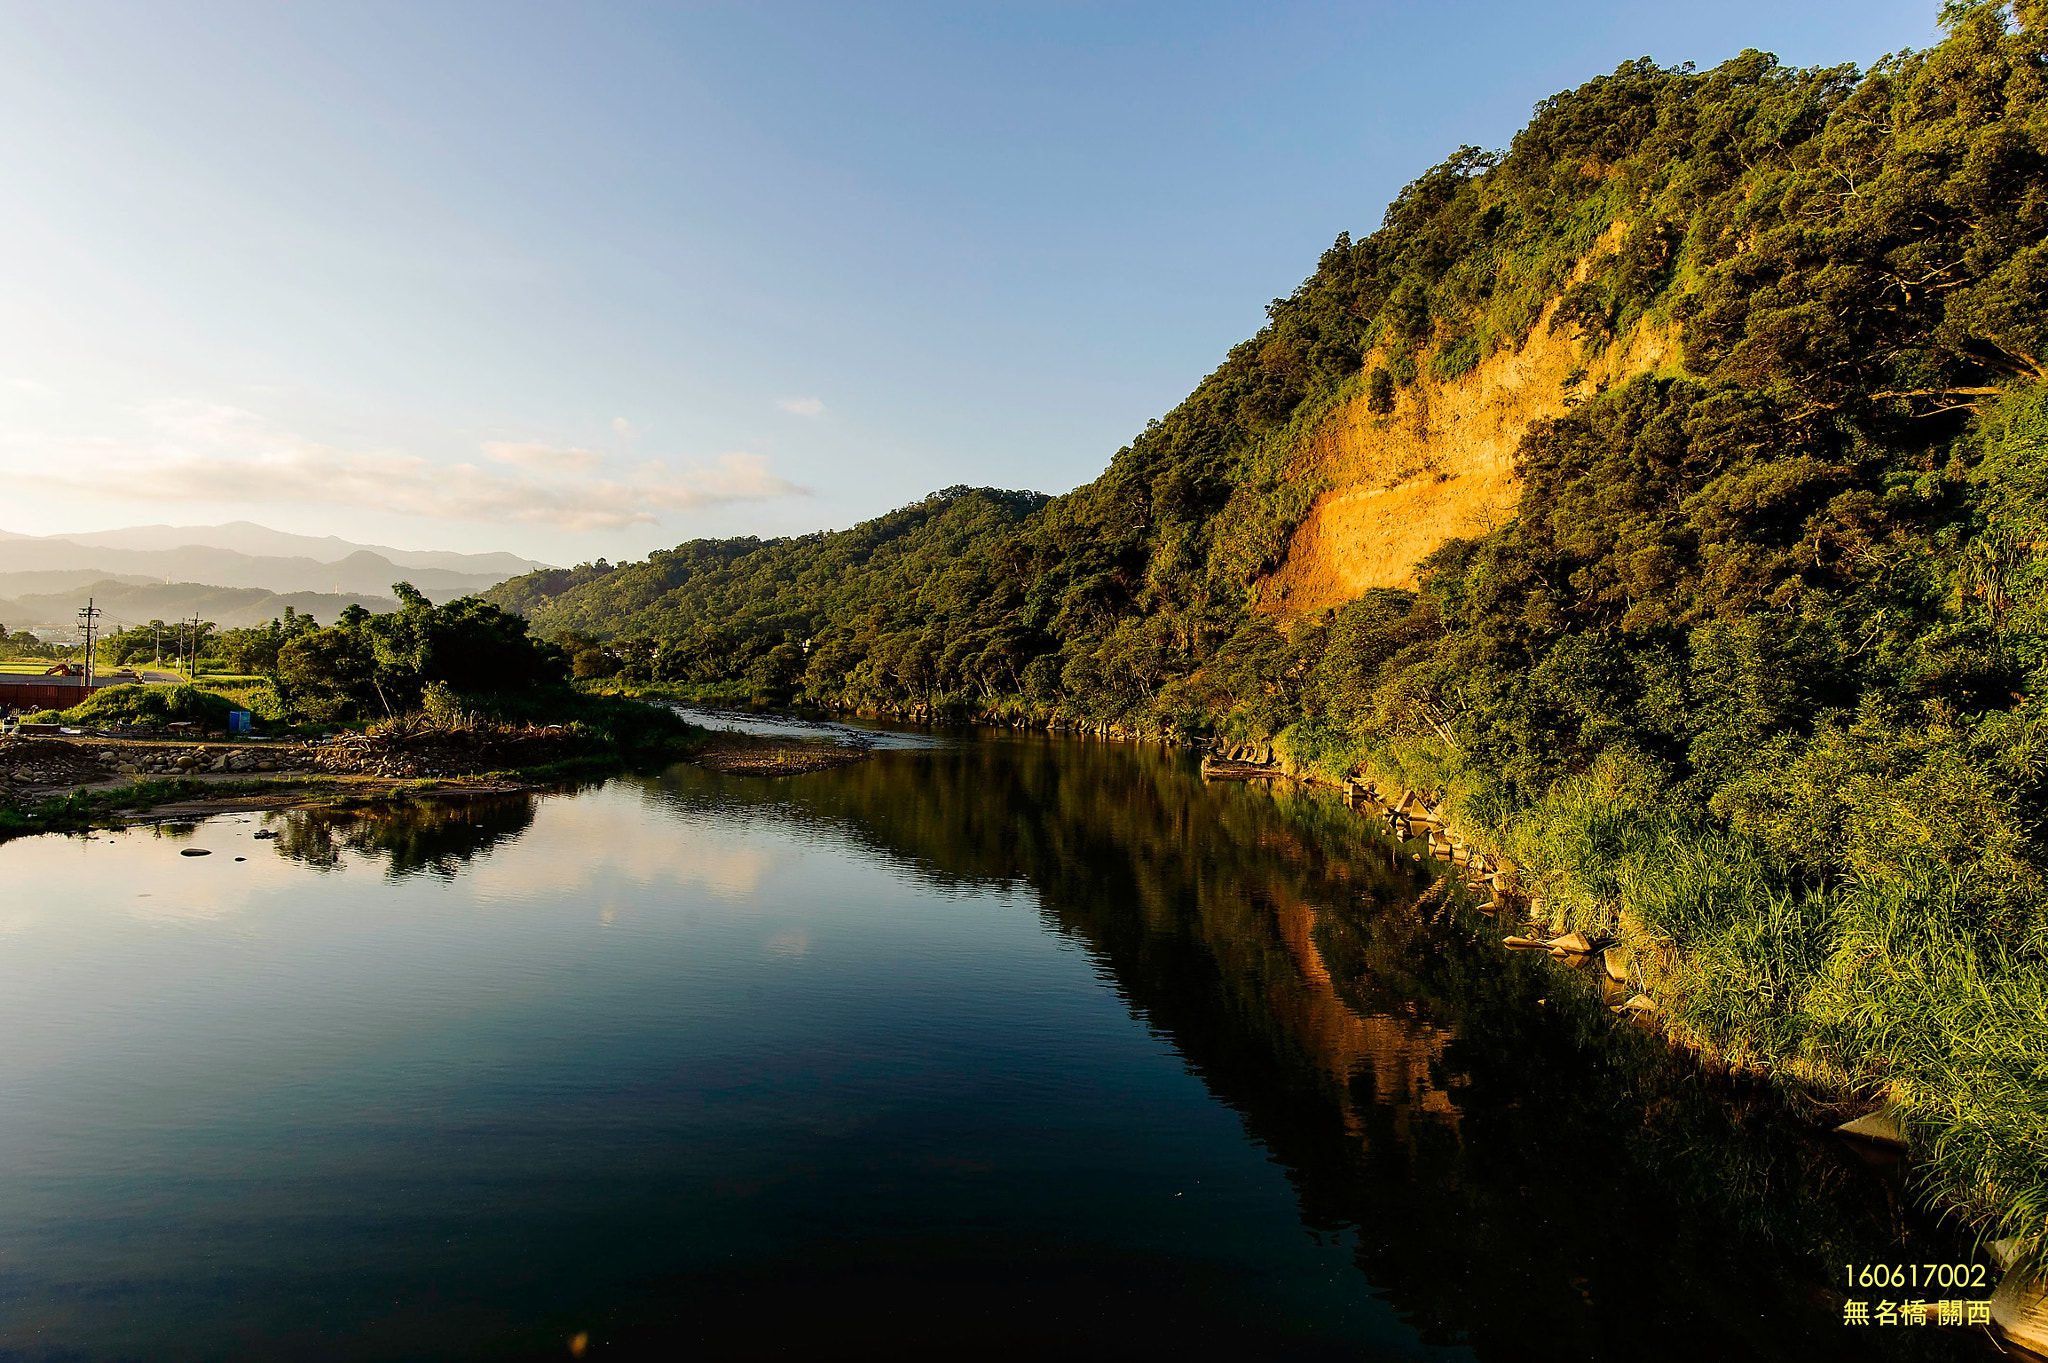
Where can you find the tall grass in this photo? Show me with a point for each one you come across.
(1954, 1024)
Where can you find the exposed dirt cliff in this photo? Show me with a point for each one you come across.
(1440, 465)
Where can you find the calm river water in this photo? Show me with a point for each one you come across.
(987, 1045)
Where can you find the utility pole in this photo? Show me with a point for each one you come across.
(89, 616)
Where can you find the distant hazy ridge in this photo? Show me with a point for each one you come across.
(234, 574)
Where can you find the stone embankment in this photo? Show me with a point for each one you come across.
(37, 767)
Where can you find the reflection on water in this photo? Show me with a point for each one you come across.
(438, 837)
(1516, 1171)
(998, 1042)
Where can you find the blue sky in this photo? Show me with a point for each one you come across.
(576, 280)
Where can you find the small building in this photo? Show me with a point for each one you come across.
(54, 691)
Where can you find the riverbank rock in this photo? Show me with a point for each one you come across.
(2019, 1311)
(1879, 1128)
(1214, 769)
(31, 767)
(742, 755)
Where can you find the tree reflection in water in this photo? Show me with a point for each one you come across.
(417, 837)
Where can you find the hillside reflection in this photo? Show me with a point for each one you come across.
(1508, 1166)
(1514, 1170)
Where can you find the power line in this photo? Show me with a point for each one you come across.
(88, 615)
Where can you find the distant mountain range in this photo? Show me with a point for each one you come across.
(126, 603)
(170, 570)
(260, 541)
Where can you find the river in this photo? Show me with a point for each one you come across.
(990, 1044)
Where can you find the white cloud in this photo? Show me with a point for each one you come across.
(204, 452)
(803, 406)
(549, 458)
(624, 427)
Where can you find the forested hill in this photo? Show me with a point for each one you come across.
(716, 609)
(1752, 671)
(1854, 262)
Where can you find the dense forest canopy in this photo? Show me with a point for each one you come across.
(1756, 669)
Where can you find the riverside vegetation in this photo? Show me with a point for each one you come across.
(460, 689)
(1753, 675)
